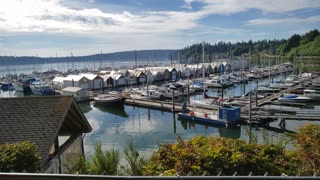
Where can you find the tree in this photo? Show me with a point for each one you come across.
(308, 149)
(211, 155)
(294, 41)
(135, 161)
(19, 157)
(105, 162)
(309, 36)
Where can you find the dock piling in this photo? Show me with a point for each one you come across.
(250, 107)
(173, 107)
(256, 98)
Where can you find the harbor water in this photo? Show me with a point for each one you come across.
(147, 128)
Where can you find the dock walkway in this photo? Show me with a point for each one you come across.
(167, 106)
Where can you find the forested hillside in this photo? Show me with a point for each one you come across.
(150, 55)
(297, 45)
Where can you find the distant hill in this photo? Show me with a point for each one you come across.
(307, 44)
(141, 55)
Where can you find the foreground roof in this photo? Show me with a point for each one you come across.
(40, 119)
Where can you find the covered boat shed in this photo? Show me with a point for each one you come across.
(43, 120)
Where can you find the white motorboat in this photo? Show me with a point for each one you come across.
(294, 98)
(312, 94)
(265, 89)
(152, 94)
(280, 85)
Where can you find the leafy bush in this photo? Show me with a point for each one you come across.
(135, 161)
(105, 162)
(19, 157)
(308, 149)
(211, 155)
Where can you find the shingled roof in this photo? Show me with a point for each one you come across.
(40, 120)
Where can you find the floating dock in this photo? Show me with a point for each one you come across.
(257, 115)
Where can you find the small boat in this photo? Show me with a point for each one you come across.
(312, 94)
(18, 87)
(42, 89)
(246, 95)
(206, 96)
(226, 116)
(6, 86)
(152, 94)
(214, 83)
(294, 98)
(109, 100)
(197, 86)
(292, 79)
(207, 103)
(279, 85)
(266, 89)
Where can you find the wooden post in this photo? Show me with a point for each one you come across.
(222, 92)
(174, 123)
(244, 88)
(256, 98)
(250, 107)
(173, 105)
(188, 96)
(148, 91)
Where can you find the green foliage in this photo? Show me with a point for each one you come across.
(19, 157)
(296, 45)
(309, 36)
(135, 161)
(193, 53)
(308, 149)
(81, 166)
(108, 162)
(211, 155)
(105, 162)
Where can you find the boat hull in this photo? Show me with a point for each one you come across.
(202, 119)
(313, 97)
(47, 92)
(281, 99)
(114, 102)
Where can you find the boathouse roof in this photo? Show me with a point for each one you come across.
(91, 76)
(74, 77)
(72, 89)
(117, 76)
(40, 119)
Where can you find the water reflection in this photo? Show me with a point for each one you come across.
(119, 111)
(85, 107)
(231, 132)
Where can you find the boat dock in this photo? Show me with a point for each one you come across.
(167, 106)
(257, 114)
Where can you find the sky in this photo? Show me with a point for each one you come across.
(81, 27)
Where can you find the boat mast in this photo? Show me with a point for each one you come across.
(203, 75)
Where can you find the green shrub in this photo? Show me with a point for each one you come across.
(105, 162)
(211, 155)
(19, 157)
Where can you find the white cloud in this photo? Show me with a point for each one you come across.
(128, 29)
(283, 21)
(55, 16)
(267, 6)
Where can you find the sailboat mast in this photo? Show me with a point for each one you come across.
(135, 58)
(203, 75)
(100, 59)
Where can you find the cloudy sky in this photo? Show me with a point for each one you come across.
(59, 27)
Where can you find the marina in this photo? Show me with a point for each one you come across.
(149, 120)
(185, 89)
